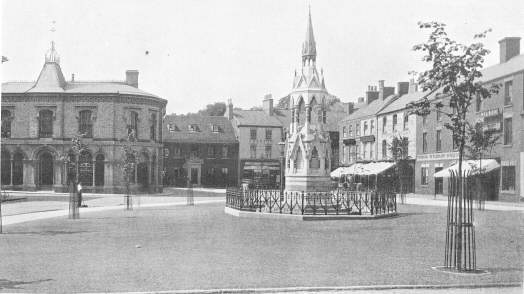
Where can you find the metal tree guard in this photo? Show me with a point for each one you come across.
(74, 210)
(190, 200)
(460, 252)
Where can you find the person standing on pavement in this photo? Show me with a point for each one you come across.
(79, 191)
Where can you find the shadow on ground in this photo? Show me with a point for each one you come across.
(15, 285)
(47, 233)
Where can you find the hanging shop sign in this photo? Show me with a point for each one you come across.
(366, 139)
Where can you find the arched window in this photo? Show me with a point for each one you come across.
(85, 125)
(45, 123)
(18, 169)
(133, 124)
(152, 131)
(85, 168)
(6, 123)
(6, 168)
(314, 162)
(299, 161)
(99, 170)
(153, 170)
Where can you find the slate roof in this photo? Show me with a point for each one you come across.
(372, 108)
(509, 67)
(255, 118)
(180, 131)
(402, 101)
(51, 80)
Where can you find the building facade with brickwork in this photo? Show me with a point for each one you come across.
(502, 114)
(200, 149)
(39, 119)
(358, 131)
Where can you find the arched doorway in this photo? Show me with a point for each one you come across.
(45, 169)
(18, 169)
(6, 168)
(99, 170)
(85, 168)
(143, 172)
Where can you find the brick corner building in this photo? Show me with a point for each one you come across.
(40, 117)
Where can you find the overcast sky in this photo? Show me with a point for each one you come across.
(206, 51)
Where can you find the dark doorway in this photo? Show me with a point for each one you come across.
(46, 171)
(439, 182)
(142, 174)
(194, 176)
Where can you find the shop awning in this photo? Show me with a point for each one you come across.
(471, 166)
(337, 173)
(363, 169)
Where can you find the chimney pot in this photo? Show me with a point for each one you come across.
(132, 78)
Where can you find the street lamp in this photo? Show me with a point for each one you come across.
(282, 147)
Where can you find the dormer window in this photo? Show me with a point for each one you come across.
(173, 127)
(193, 128)
(215, 128)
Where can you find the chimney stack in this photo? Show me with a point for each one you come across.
(371, 94)
(509, 48)
(402, 88)
(350, 107)
(267, 104)
(229, 109)
(384, 92)
(132, 78)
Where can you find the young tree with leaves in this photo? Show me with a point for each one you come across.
(129, 164)
(399, 153)
(455, 76)
(480, 141)
(71, 162)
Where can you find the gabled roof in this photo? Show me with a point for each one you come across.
(402, 101)
(372, 108)
(180, 132)
(255, 118)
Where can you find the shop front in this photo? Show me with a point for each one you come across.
(261, 173)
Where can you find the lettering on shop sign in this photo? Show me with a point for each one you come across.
(438, 156)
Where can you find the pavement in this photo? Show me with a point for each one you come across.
(35, 207)
(442, 201)
(24, 211)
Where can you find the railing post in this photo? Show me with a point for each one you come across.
(302, 208)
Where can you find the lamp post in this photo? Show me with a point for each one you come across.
(282, 147)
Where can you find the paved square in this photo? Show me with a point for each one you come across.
(200, 247)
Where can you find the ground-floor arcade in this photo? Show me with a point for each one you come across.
(45, 167)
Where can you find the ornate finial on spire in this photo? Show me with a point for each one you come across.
(309, 51)
(52, 55)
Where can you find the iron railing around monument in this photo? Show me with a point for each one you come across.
(335, 202)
